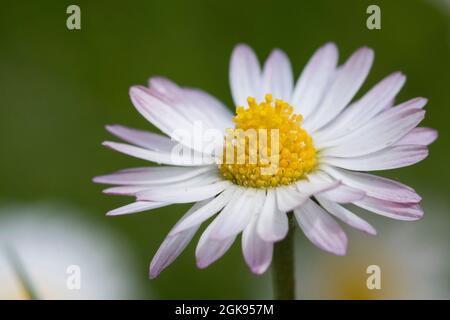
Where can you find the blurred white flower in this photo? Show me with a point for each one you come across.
(50, 251)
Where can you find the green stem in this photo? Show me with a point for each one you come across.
(283, 266)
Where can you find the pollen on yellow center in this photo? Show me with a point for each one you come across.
(280, 153)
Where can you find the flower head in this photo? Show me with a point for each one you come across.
(295, 152)
(288, 148)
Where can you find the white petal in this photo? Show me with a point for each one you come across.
(169, 250)
(200, 180)
(314, 79)
(237, 214)
(171, 158)
(206, 103)
(205, 212)
(320, 228)
(176, 98)
(138, 206)
(346, 216)
(144, 139)
(316, 184)
(184, 194)
(360, 112)
(343, 194)
(389, 158)
(172, 246)
(257, 252)
(332, 189)
(164, 85)
(414, 103)
(292, 196)
(245, 75)
(209, 249)
(182, 119)
(374, 101)
(374, 186)
(419, 136)
(348, 81)
(158, 112)
(152, 175)
(273, 224)
(277, 78)
(381, 132)
(125, 190)
(288, 198)
(195, 105)
(394, 210)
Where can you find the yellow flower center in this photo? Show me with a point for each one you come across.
(267, 147)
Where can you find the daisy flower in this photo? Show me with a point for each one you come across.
(324, 140)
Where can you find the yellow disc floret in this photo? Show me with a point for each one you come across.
(267, 147)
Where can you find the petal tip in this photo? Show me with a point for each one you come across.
(330, 46)
(259, 269)
(371, 231)
(108, 144)
(434, 135)
(340, 251)
(153, 273)
(97, 179)
(242, 47)
(112, 128)
(201, 264)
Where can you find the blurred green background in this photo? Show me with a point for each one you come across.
(60, 87)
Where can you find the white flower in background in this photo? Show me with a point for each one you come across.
(414, 262)
(324, 139)
(48, 252)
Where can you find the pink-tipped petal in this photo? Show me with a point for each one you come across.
(125, 190)
(194, 104)
(184, 194)
(159, 175)
(257, 252)
(144, 139)
(158, 112)
(172, 246)
(390, 158)
(209, 249)
(381, 132)
(419, 136)
(375, 186)
(138, 206)
(161, 157)
(321, 229)
(394, 210)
